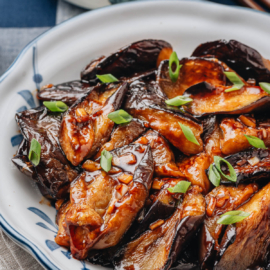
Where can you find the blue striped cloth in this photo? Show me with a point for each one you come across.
(23, 20)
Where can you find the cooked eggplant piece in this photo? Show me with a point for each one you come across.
(68, 92)
(54, 173)
(123, 134)
(193, 71)
(234, 130)
(104, 205)
(144, 103)
(163, 156)
(245, 245)
(246, 61)
(250, 165)
(209, 99)
(219, 201)
(194, 168)
(85, 126)
(137, 57)
(158, 248)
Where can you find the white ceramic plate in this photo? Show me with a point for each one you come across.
(60, 54)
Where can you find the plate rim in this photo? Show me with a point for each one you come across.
(9, 230)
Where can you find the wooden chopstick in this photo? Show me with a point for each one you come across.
(251, 4)
(265, 2)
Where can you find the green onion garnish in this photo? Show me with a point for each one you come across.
(106, 160)
(174, 61)
(232, 217)
(214, 176)
(188, 134)
(34, 152)
(180, 187)
(56, 106)
(265, 87)
(232, 177)
(178, 101)
(120, 117)
(107, 78)
(235, 80)
(256, 142)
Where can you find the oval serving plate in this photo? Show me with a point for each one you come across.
(59, 55)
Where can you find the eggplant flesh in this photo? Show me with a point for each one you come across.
(135, 58)
(104, 205)
(246, 244)
(245, 60)
(193, 71)
(219, 201)
(144, 103)
(123, 135)
(68, 92)
(234, 130)
(208, 99)
(193, 169)
(251, 165)
(158, 248)
(85, 126)
(54, 173)
(163, 156)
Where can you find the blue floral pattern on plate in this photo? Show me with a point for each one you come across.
(16, 140)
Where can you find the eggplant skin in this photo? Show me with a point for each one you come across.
(219, 201)
(246, 61)
(193, 71)
(54, 173)
(159, 248)
(137, 57)
(250, 246)
(102, 205)
(68, 92)
(244, 170)
(85, 127)
(145, 103)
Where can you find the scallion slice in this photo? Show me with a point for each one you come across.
(180, 187)
(178, 101)
(255, 141)
(265, 87)
(235, 80)
(120, 117)
(56, 106)
(188, 134)
(106, 160)
(174, 63)
(232, 217)
(34, 152)
(232, 177)
(214, 176)
(107, 78)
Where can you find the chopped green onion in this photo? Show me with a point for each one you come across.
(178, 101)
(214, 176)
(232, 217)
(232, 177)
(106, 160)
(107, 78)
(120, 117)
(188, 134)
(174, 60)
(34, 152)
(56, 106)
(180, 187)
(256, 142)
(265, 87)
(235, 80)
